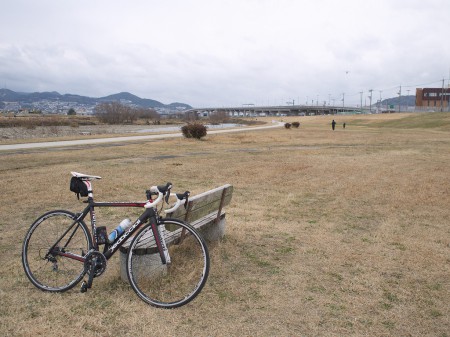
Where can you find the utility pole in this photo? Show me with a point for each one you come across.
(370, 104)
(361, 95)
(399, 97)
(381, 106)
(442, 95)
(343, 100)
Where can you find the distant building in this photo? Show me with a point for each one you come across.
(432, 97)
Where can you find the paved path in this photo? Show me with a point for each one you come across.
(122, 139)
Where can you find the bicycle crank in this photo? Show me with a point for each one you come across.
(94, 266)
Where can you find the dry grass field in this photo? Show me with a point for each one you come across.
(329, 233)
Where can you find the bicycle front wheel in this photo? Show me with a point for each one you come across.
(181, 278)
(53, 250)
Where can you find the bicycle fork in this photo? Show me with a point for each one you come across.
(159, 231)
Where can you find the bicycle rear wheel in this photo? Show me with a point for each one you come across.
(178, 281)
(51, 235)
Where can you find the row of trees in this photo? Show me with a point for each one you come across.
(216, 117)
(116, 113)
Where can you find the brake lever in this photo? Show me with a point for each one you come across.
(186, 194)
(166, 197)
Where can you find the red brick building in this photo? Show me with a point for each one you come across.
(432, 97)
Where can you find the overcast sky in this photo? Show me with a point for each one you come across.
(225, 53)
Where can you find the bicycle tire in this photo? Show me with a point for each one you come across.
(177, 282)
(53, 272)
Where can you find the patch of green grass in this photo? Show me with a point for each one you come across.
(392, 298)
(420, 120)
(225, 295)
(435, 313)
(435, 286)
(336, 276)
(317, 288)
(284, 250)
(262, 263)
(398, 245)
(389, 324)
(336, 309)
(386, 306)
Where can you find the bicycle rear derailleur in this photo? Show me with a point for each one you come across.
(94, 265)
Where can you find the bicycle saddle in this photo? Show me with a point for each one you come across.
(85, 176)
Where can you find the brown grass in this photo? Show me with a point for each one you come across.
(329, 233)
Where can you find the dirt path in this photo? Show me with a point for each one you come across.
(122, 139)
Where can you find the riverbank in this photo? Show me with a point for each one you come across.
(15, 133)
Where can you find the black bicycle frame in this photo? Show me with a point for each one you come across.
(110, 249)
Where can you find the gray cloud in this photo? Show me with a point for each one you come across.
(224, 52)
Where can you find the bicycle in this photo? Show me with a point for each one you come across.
(167, 262)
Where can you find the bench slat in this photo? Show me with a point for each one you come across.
(204, 203)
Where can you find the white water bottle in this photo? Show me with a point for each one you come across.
(124, 224)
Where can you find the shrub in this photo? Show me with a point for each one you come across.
(195, 130)
(295, 124)
(287, 125)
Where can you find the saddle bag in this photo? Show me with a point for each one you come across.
(78, 187)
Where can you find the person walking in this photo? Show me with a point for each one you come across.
(343, 125)
(333, 124)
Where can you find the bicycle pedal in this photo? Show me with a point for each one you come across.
(84, 287)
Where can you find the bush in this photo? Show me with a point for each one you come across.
(287, 125)
(195, 130)
(295, 124)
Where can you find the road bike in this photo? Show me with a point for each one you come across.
(167, 260)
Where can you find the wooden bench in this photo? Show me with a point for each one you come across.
(204, 211)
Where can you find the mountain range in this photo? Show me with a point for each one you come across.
(7, 95)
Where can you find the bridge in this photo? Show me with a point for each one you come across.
(282, 110)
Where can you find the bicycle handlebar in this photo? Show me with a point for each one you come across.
(180, 197)
(161, 191)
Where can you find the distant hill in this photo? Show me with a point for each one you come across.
(7, 95)
(404, 100)
(126, 96)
